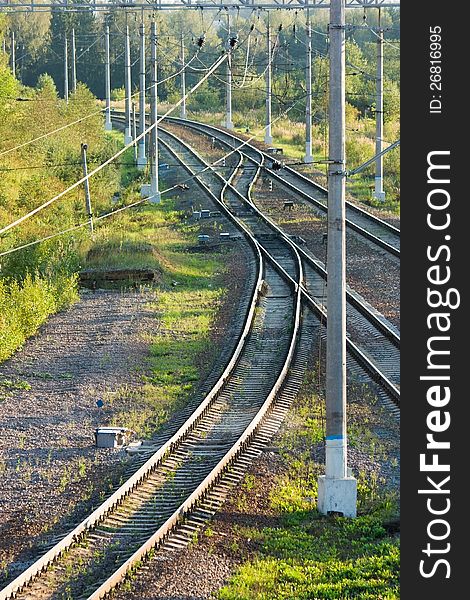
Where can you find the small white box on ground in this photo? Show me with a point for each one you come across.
(111, 437)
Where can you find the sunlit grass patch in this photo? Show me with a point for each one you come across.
(186, 303)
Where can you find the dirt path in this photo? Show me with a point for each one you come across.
(48, 410)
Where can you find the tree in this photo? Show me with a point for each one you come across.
(8, 84)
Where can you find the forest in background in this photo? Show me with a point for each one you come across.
(40, 40)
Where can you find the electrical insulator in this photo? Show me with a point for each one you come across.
(201, 41)
(277, 166)
(252, 27)
(280, 27)
(233, 41)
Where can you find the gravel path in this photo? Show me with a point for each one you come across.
(49, 412)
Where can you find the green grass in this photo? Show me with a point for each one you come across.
(310, 556)
(305, 555)
(366, 578)
(186, 301)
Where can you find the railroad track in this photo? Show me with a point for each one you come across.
(176, 479)
(372, 341)
(368, 226)
(179, 486)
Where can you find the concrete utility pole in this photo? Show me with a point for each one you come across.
(66, 69)
(228, 114)
(308, 110)
(154, 191)
(183, 79)
(13, 53)
(337, 492)
(134, 132)
(268, 138)
(379, 192)
(108, 125)
(86, 185)
(142, 158)
(128, 83)
(74, 63)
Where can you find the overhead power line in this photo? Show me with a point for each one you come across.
(110, 160)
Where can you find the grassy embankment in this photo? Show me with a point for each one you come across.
(304, 555)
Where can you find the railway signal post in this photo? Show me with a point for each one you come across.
(86, 185)
(154, 190)
(337, 492)
(268, 138)
(308, 110)
(183, 79)
(228, 98)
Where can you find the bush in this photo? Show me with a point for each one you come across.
(25, 306)
(118, 94)
(205, 99)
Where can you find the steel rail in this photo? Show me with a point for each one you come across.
(224, 135)
(374, 317)
(371, 368)
(377, 320)
(236, 449)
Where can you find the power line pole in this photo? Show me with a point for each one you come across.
(21, 70)
(268, 138)
(183, 79)
(13, 53)
(379, 192)
(66, 69)
(128, 83)
(108, 125)
(86, 185)
(337, 492)
(134, 132)
(142, 158)
(228, 113)
(74, 63)
(154, 191)
(308, 110)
